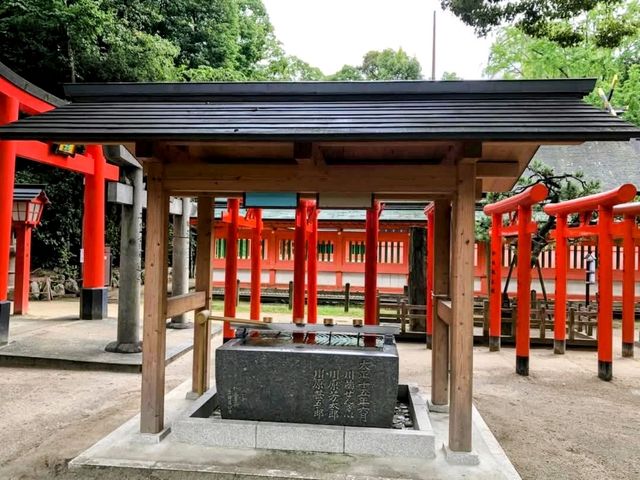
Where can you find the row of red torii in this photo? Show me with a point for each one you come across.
(605, 228)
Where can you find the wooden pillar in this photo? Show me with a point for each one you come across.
(299, 252)
(417, 282)
(155, 299)
(524, 291)
(430, 259)
(256, 265)
(231, 267)
(560, 320)
(312, 267)
(605, 293)
(463, 239)
(23, 270)
(495, 284)
(202, 332)
(440, 255)
(628, 286)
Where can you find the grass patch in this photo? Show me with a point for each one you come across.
(323, 310)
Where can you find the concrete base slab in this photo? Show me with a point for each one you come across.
(460, 458)
(152, 438)
(67, 342)
(119, 451)
(437, 408)
(198, 426)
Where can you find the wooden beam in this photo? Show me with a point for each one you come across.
(307, 153)
(443, 308)
(202, 331)
(303, 178)
(153, 335)
(462, 308)
(440, 334)
(497, 169)
(187, 302)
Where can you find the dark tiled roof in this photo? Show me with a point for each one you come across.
(612, 163)
(27, 192)
(461, 110)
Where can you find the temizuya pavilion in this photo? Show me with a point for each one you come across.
(445, 142)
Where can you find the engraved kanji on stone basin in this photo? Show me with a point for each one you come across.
(282, 381)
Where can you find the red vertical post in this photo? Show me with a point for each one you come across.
(23, 270)
(628, 286)
(495, 293)
(524, 290)
(312, 259)
(299, 252)
(605, 294)
(93, 219)
(256, 264)
(430, 250)
(9, 108)
(231, 266)
(371, 269)
(560, 322)
(93, 303)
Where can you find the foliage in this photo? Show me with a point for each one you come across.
(515, 54)
(142, 40)
(56, 242)
(385, 64)
(390, 64)
(554, 20)
(450, 76)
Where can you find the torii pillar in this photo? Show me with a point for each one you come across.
(9, 108)
(93, 296)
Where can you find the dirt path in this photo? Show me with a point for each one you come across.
(559, 423)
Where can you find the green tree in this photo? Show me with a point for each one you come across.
(390, 64)
(516, 55)
(386, 64)
(450, 76)
(57, 240)
(555, 20)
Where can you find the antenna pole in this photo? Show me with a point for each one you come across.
(433, 53)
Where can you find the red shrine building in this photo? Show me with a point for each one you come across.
(340, 250)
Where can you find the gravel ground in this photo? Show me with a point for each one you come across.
(561, 422)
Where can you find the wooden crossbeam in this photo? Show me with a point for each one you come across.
(304, 178)
(444, 310)
(185, 303)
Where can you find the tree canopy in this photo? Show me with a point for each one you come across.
(386, 64)
(555, 20)
(515, 54)
(143, 40)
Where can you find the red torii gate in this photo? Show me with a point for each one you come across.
(630, 232)
(253, 221)
(602, 203)
(19, 96)
(523, 227)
